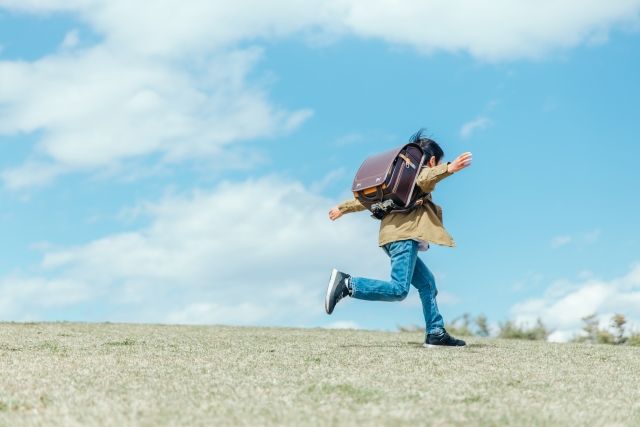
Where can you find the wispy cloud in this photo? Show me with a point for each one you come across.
(333, 175)
(71, 40)
(348, 139)
(590, 237)
(469, 127)
(560, 240)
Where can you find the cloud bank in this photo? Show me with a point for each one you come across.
(98, 108)
(169, 79)
(565, 303)
(256, 252)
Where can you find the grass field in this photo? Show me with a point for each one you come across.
(68, 374)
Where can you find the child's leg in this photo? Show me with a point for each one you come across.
(424, 281)
(403, 256)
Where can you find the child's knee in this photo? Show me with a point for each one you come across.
(402, 294)
(399, 290)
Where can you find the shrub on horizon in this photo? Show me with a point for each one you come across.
(460, 326)
(414, 327)
(511, 330)
(594, 334)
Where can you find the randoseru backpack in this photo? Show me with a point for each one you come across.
(384, 183)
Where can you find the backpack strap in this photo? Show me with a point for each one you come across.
(380, 210)
(412, 206)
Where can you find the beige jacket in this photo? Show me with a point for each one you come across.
(423, 223)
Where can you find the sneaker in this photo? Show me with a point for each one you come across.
(336, 290)
(443, 340)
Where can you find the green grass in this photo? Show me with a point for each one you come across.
(70, 374)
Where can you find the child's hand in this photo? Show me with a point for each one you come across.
(463, 161)
(335, 213)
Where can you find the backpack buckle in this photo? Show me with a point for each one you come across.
(381, 209)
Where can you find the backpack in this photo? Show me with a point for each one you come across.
(385, 182)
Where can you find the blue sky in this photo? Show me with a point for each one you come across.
(157, 167)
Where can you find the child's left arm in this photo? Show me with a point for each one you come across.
(429, 177)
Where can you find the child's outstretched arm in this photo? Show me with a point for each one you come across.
(427, 181)
(429, 177)
(352, 205)
(461, 162)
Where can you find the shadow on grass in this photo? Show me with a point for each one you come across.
(401, 345)
(381, 345)
(127, 341)
(408, 344)
(475, 345)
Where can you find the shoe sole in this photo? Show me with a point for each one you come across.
(329, 287)
(443, 346)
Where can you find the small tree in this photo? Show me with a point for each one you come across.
(593, 334)
(460, 326)
(411, 328)
(634, 338)
(483, 326)
(618, 322)
(511, 330)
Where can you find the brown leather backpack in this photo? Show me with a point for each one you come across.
(384, 183)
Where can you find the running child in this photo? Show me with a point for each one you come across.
(402, 236)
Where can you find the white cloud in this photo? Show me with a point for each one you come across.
(331, 176)
(168, 77)
(97, 108)
(564, 303)
(469, 127)
(590, 237)
(258, 252)
(493, 28)
(446, 298)
(490, 30)
(560, 240)
(71, 39)
(348, 139)
(344, 324)
(585, 274)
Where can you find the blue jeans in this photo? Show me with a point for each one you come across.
(406, 269)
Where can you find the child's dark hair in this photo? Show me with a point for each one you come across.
(429, 146)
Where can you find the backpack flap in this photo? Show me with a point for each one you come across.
(374, 170)
(383, 180)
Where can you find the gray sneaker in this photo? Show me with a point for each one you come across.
(336, 290)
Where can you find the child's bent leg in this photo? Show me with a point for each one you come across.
(403, 256)
(424, 281)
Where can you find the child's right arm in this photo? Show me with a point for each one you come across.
(349, 206)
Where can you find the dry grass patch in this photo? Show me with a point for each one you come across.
(68, 374)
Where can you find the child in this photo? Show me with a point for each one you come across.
(402, 235)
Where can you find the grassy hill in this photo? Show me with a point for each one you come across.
(68, 374)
